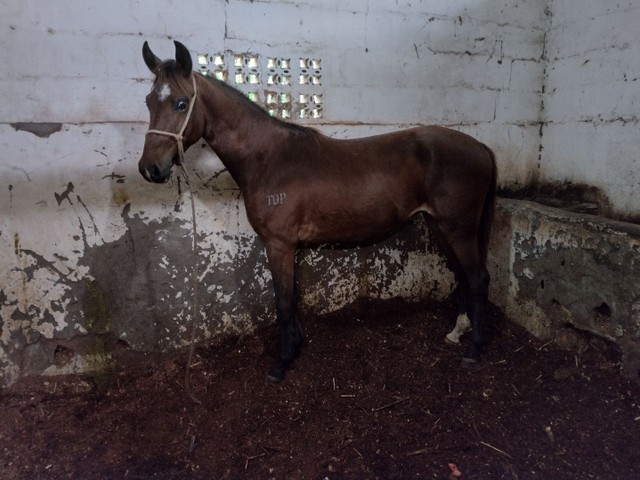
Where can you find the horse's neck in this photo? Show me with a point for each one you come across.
(239, 135)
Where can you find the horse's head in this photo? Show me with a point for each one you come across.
(173, 125)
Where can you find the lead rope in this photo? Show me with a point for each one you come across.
(194, 272)
(194, 288)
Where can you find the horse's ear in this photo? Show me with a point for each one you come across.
(149, 58)
(183, 58)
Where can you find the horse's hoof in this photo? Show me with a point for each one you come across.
(468, 362)
(271, 378)
(276, 374)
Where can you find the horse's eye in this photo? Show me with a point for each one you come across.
(181, 105)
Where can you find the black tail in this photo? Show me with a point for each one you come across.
(488, 209)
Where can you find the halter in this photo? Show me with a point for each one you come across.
(180, 135)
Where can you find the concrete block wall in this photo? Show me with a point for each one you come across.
(95, 259)
(592, 102)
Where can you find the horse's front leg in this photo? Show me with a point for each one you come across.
(281, 263)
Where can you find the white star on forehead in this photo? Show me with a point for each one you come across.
(164, 92)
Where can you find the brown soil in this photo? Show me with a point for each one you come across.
(375, 394)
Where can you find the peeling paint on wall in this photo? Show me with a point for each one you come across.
(568, 271)
(42, 130)
(134, 291)
(403, 265)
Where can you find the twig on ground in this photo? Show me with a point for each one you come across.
(248, 459)
(418, 452)
(496, 449)
(389, 405)
(542, 346)
(549, 433)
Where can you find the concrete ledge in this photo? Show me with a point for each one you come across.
(558, 273)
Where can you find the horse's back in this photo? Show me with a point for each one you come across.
(418, 160)
(419, 144)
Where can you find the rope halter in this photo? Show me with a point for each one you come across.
(180, 135)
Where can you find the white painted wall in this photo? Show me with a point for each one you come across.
(592, 100)
(470, 63)
(70, 198)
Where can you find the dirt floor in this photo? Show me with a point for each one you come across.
(375, 394)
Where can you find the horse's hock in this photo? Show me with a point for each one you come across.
(568, 277)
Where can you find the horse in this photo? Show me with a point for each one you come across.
(301, 187)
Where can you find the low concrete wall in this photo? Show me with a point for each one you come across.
(135, 292)
(558, 273)
(555, 273)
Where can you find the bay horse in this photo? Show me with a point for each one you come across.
(302, 187)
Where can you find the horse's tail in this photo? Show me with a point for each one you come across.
(486, 220)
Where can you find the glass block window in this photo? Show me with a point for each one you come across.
(287, 87)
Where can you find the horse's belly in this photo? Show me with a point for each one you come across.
(350, 226)
(361, 209)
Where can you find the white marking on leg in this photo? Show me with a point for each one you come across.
(463, 325)
(164, 92)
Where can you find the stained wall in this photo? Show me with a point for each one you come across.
(592, 103)
(95, 259)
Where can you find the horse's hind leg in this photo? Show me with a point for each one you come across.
(479, 289)
(281, 263)
(463, 297)
(474, 283)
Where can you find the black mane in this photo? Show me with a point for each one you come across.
(241, 99)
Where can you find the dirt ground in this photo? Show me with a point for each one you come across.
(375, 394)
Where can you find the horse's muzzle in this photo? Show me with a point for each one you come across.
(154, 174)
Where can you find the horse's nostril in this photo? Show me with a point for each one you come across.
(154, 173)
(144, 172)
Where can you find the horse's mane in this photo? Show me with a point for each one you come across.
(242, 100)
